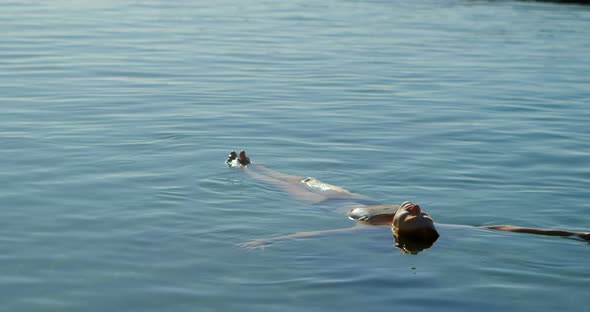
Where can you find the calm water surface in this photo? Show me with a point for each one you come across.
(116, 117)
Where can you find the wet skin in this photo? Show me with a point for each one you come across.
(412, 228)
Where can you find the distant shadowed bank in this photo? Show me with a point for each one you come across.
(581, 2)
(412, 228)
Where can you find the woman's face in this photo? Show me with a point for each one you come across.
(413, 224)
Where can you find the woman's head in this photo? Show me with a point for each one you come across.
(413, 226)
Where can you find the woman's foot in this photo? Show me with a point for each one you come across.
(235, 160)
(231, 159)
(244, 160)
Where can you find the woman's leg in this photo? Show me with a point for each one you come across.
(276, 174)
(290, 184)
(308, 189)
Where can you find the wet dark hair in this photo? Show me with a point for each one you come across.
(414, 241)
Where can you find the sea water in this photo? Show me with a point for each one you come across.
(116, 118)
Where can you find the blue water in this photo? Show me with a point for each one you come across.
(116, 118)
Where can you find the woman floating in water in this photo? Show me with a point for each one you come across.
(412, 228)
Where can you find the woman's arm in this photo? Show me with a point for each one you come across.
(549, 232)
(267, 241)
